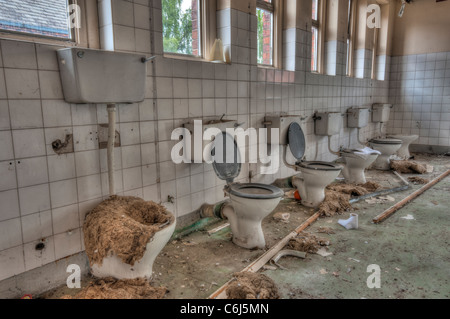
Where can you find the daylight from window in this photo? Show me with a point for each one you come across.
(44, 17)
(181, 26)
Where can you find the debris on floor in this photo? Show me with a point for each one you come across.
(123, 226)
(337, 197)
(250, 285)
(334, 203)
(307, 242)
(351, 223)
(323, 252)
(408, 217)
(418, 180)
(111, 288)
(380, 199)
(354, 189)
(408, 167)
(283, 217)
(325, 230)
(287, 252)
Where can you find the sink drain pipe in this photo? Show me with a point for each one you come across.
(110, 150)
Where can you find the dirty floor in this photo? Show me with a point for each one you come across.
(411, 248)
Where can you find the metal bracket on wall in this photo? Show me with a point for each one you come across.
(63, 147)
(103, 137)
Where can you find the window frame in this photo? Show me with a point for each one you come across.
(276, 8)
(87, 36)
(376, 33)
(320, 25)
(207, 33)
(351, 25)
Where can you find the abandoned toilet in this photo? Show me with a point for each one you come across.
(249, 203)
(315, 175)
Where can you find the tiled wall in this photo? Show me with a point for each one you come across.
(44, 195)
(420, 92)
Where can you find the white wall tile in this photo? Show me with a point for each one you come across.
(148, 154)
(25, 114)
(46, 57)
(129, 133)
(132, 178)
(61, 167)
(4, 115)
(37, 226)
(89, 187)
(10, 233)
(149, 175)
(131, 156)
(123, 12)
(63, 193)
(34, 199)
(22, 84)
(85, 137)
(18, 55)
(65, 218)
(67, 244)
(9, 207)
(56, 113)
(37, 258)
(32, 171)
(50, 83)
(29, 143)
(84, 114)
(6, 146)
(12, 262)
(87, 163)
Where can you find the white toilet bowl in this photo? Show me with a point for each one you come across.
(387, 147)
(356, 162)
(403, 152)
(250, 202)
(314, 177)
(113, 266)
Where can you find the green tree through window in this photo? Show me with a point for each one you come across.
(180, 26)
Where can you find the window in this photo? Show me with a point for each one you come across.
(46, 18)
(315, 28)
(350, 32)
(265, 12)
(374, 52)
(182, 27)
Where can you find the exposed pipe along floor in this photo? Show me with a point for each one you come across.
(411, 248)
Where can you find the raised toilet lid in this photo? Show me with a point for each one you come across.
(296, 141)
(226, 170)
(229, 171)
(385, 141)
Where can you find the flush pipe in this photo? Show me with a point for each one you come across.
(329, 147)
(358, 137)
(111, 142)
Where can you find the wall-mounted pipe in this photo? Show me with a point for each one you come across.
(110, 148)
(284, 183)
(358, 137)
(329, 147)
(294, 167)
